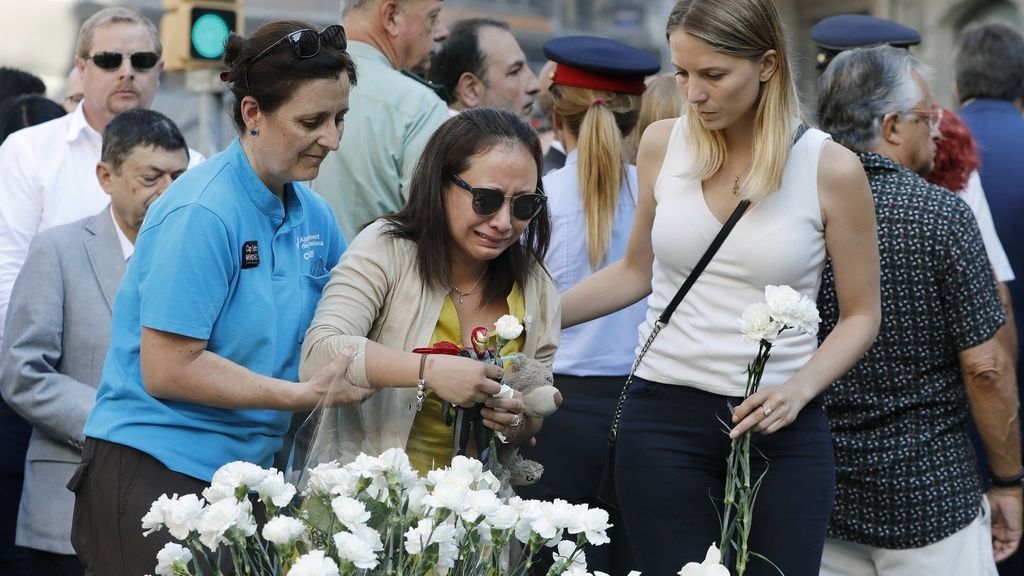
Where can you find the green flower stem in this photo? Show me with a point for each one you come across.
(740, 487)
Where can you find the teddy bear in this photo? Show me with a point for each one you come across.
(540, 399)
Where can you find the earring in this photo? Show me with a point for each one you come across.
(254, 132)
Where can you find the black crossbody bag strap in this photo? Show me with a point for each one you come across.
(613, 432)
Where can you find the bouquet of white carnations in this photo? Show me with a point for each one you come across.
(373, 517)
(761, 322)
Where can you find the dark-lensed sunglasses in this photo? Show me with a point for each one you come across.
(487, 201)
(305, 43)
(113, 60)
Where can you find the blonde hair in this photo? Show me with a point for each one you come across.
(661, 100)
(744, 29)
(114, 15)
(599, 120)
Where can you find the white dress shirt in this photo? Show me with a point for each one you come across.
(47, 178)
(974, 195)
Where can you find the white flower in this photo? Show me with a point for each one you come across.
(273, 488)
(330, 478)
(172, 559)
(314, 563)
(283, 530)
(426, 534)
(238, 474)
(451, 494)
(217, 492)
(757, 323)
(179, 515)
(593, 522)
(369, 536)
(502, 518)
(417, 538)
(556, 517)
(415, 494)
(222, 516)
(792, 308)
(479, 503)
(711, 566)
(565, 551)
(355, 550)
(349, 511)
(508, 327)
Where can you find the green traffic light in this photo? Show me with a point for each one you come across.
(209, 32)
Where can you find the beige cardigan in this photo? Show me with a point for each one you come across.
(376, 293)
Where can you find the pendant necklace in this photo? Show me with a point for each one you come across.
(736, 186)
(470, 291)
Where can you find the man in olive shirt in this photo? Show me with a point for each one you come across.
(392, 115)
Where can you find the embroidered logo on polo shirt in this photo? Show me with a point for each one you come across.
(250, 254)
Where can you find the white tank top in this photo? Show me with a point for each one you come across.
(780, 240)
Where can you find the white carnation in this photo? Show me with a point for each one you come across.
(222, 516)
(565, 551)
(592, 522)
(274, 489)
(757, 323)
(179, 515)
(508, 327)
(314, 563)
(711, 566)
(355, 550)
(283, 530)
(350, 511)
(172, 559)
(238, 474)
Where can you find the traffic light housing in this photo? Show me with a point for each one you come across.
(193, 32)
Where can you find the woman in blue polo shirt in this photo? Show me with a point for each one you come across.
(227, 271)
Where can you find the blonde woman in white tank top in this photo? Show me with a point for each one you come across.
(734, 141)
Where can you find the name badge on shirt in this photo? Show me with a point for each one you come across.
(250, 254)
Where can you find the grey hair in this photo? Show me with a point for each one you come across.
(860, 86)
(113, 15)
(350, 5)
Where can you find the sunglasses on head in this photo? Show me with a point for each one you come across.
(305, 43)
(487, 202)
(113, 60)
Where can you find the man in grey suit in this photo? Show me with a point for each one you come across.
(58, 325)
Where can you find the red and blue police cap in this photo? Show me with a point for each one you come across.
(600, 64)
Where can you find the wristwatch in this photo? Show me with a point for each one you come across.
(1014, 481)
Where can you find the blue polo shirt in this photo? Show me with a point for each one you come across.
(220, 259)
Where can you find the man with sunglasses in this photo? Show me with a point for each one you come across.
(908, 496)
(48, 171)
(392, 115)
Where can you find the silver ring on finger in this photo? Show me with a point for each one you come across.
(517, 420)
(766, 409)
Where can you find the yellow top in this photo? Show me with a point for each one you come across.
(431, 443)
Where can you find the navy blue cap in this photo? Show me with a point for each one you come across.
(845, 31)
(600, 64)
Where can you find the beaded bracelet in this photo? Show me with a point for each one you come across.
(1011, 482)
(421, 384)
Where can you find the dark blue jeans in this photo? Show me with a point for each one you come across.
(670, 477)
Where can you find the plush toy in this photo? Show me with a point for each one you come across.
(540, 399)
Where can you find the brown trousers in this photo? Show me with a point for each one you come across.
(114, 488)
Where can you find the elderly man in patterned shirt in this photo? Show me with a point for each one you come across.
(908, 497)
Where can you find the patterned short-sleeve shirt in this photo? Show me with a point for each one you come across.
(905, 468)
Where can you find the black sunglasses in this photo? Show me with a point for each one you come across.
(487, 201)
(113, 60)
(306, 43)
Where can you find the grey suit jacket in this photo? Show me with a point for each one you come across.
(58, 332)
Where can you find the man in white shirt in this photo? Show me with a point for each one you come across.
(48, 171)
(60, 322)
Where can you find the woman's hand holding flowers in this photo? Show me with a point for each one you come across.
(769, 410)
(505, 415)
(461, 380)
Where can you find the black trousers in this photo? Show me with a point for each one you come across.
(52, 564)
(572, 446)
(114, 488)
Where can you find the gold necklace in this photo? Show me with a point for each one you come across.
(470, 291)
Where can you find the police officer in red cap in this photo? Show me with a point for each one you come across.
(596, 89)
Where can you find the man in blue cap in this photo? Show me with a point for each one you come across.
(845, 31)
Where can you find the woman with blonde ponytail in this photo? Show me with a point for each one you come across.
(739, 138)
(596, 89)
